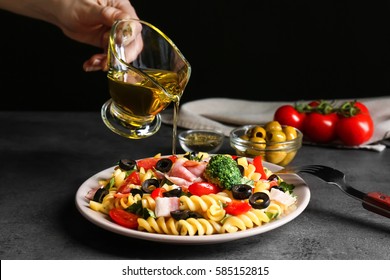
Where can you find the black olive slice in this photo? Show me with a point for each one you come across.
(127, 164)
(134, 192)
(100, 194)
(195, 215)
(173, 193)
(273, 177)
(241, 191)
(259, 200)
(242, 168)
(164, 165)
(149, 185)
(185, 214)
(180, 214)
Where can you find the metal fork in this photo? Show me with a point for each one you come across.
(376, 202)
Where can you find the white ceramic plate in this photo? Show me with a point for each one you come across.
(301, 190)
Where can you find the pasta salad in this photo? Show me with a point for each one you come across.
(192, 194)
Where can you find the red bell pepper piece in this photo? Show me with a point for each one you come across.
(258, 163)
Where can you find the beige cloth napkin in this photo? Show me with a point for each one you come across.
(224, 114)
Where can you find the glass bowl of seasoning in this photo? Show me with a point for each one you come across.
(201, 140)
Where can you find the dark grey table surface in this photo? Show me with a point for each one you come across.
(46, 156)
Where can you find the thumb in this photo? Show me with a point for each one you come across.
(111, 14)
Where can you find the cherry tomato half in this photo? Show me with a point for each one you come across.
(133, 178)
(288, 115)
(157, 192)
(124, 218)
(202, 188)
(147, 163)
(237, 207)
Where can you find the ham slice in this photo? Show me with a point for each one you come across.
(164, 206)
(179, 170)
(195, 167)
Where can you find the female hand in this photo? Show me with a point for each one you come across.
(85, 21)
(90, 21)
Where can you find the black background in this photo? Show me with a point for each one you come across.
(260, 50)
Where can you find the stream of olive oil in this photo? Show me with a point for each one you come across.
(174, 129)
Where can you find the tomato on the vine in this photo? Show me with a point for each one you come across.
(355, 130)
(314, 103)
(362, 107)
(322, 122)
(320, 128)
(355, 126)
(289, 115)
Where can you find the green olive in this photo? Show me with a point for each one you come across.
(275, 157)
(276, 136)
(290, 132)
(258, 131)
(260, 143)
(244, 137)
(273, 125)
(252, 152)
(257, 139)
(289, 157)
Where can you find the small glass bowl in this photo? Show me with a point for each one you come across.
(201, 140)
(280, 153)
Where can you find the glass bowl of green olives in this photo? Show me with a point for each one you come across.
(276, 143)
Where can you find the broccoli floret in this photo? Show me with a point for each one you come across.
(223, 171)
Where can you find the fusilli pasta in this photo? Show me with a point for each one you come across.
(206, 214)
